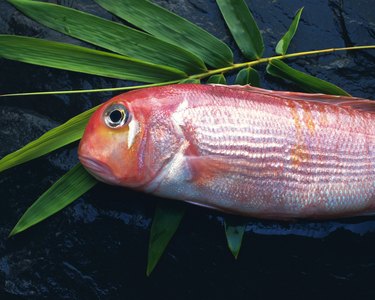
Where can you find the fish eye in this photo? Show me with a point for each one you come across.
(116, 116)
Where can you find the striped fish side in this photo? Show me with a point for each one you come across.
(289, 159)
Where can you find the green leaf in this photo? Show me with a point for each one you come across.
(172, 29)
(248, 76)
(243, 27)
(168, 216)
(67, 189)
(110, 35)
(283, 44)
(307, 82)
(80, 59)
(234, 233)
(218, 79)
(57, 137)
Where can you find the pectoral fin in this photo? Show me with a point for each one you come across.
(207, 168)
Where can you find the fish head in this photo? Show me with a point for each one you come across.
(130, 138)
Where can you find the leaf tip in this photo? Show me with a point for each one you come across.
(150, 268)
(279, 47)
(18, 228)
(235, 252)
(13, 232)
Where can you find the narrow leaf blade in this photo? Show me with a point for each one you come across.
(248, 76)
(80, 59)
(283, 44)
(218, 79)
(234, 233)
(307, 82)
(172, 29)
(57, 137)
(67, 189)
(167, 218)
(243, 27)
(110, 35)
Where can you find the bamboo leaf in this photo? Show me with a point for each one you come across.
(80, 59)
(307, 82)
(57, 137)
(110, 35)
(243, 27)
(67, 189)
(283, 44)
(218, 79)
(168, 216)
(172, 29)
(234, 233)
(248, 76)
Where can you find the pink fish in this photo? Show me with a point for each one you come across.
(242, 150)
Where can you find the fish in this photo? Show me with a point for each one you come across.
(238, 149)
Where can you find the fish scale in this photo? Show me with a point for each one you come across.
(251, 151)
(304, 189)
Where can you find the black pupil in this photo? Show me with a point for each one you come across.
(115, 116)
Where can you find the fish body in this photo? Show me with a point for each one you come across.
(242, 150)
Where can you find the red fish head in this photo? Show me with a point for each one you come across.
(130, 138)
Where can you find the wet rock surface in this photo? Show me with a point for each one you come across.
(97, 247)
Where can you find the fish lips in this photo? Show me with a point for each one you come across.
(99, 170)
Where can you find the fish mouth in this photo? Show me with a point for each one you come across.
(98, 169)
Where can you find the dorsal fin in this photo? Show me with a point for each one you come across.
(343, 101)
